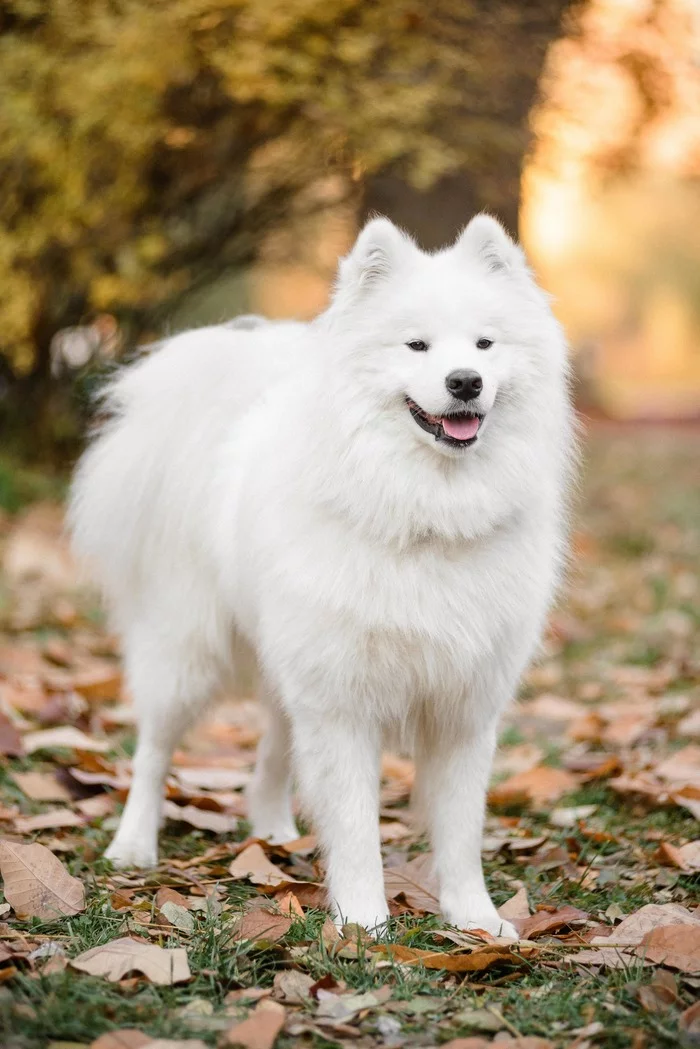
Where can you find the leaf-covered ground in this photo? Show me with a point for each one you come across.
(592, 840)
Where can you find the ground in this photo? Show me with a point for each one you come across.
(593, 818)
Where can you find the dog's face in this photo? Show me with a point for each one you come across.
(443, 341)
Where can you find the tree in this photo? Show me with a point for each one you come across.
(147, 145)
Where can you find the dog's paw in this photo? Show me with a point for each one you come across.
(479, 913)
(372, 919)
(275, 833)
(127, 854)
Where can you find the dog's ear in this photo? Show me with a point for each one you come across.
(374, 256)
(485, 240)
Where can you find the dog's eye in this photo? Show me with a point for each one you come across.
(484, 344)
(418, 345)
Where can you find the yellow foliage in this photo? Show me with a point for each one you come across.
(128, 129)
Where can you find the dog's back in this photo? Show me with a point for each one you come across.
(144, 482)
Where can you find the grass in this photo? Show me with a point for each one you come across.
(633, 607)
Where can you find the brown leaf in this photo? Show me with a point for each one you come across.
(41, 786)
(127, 1038)
(677, 946)
(475, 961)
(10, 742)
(543, 921)
(293, 986)
(262, 925)
(689, 1022)
(161, 965)
(416, 882)
(517, 906)
(539, 785)
(103, 682)
(253, 865)
(50, 820)
(37, 884)
(615, 951)
(64, 736)
(202, 819)
(289, 904)
(261, 1028)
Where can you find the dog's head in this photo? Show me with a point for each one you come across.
(445, 341)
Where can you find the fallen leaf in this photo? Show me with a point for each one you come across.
(161, 965)
(253, 865)
(289, 904)
(416, 882)
(10, 741)
(127, 1038)
(475, 961)
(103, 682)
(263, 925)
(341, 1008)
(202, 819)
(517, 906)
(616, 951)
(293, 986)
(689, 1023)
(50, 820)
(178, 916)
(677, 946)
(544, 921)
(65, 736)
(261, 1028)
(538, 785)
(569, 817)
(41, 786)
(36, 883)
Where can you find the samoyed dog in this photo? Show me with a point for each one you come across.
(376, 503)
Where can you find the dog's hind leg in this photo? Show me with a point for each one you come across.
(170, 694)
(270, 791)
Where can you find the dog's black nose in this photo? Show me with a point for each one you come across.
(464, 384)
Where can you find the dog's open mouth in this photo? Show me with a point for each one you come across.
(459, 429)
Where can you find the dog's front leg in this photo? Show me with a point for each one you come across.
(454, 770)
(337, 767)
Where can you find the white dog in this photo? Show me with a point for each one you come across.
(376, 503)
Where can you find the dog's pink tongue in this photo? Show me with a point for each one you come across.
(460, 427)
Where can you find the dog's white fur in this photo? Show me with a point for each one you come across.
(268, 482)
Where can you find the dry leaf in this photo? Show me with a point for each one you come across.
(50, 820)
(544, 921)
(102, 682)
(127, 1038)
(615, 951)
(677, 946)
(539, 785)
(36, 884)
(262, 925)
(41, 786)
(10, 741)
(289, 904)
(202, 819)
(178, 916)
(475, 961)
(517, 906)
(253, 865)
(65, 736)
(293, 986)
(261, 1028)
(416, 882)
(341, 1008)
(161, 965)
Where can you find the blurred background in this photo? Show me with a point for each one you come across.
(170, 163)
